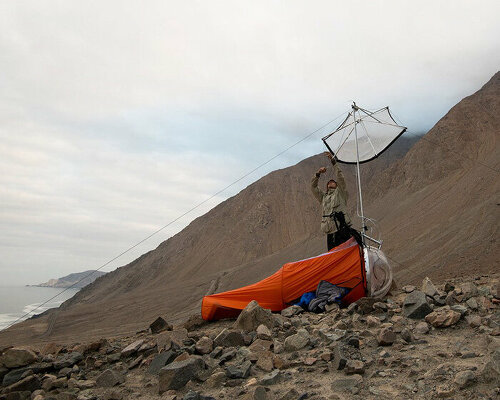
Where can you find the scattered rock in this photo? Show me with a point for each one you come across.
(346, 383)
(204, 345)
(30, 384)
(178, 373)
(16, 357)
(263, 332)
(474, 321)
(291, 394)
(160, 361)
(216, 380)
(409, 288)
(271, 378)
(372, 322)
(354, 367)
(229, 338)
(297, 341)
(365, 304)
(239, 371)
(109, 378)
(428, 287)
(444, 391)
(459, 308)
(67, 360)
(416, 306)
(469, 290)
(159, 325)
(132, 348)
(254, 315)
(291, 311)
(464, 379)
(386, 337)
(443, 318)
(422, 328)
(407, 336)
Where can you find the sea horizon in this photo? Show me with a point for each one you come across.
(18, 300)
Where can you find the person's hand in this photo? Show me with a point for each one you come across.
(330, 156)
(322, 170)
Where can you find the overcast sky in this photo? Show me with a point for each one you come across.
(118, 116)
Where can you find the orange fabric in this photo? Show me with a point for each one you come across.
(342, 266)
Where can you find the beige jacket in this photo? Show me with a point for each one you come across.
(332, 200)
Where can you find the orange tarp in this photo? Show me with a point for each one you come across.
(342, 266)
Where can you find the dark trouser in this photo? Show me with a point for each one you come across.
(335, 239)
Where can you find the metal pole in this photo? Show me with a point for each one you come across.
(354, 108)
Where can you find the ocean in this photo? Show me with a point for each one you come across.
(15, 301)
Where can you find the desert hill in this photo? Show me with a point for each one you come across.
(437, 209)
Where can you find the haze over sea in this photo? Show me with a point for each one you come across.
(15, 301)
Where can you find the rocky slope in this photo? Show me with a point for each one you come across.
(437, 208)
(423, 343)
(76, 280)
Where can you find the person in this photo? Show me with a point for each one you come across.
(334, 200)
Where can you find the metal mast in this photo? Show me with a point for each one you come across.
(363, 228)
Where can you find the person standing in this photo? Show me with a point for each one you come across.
(334, 200)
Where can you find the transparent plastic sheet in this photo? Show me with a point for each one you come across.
(379, 273)
(375, 130)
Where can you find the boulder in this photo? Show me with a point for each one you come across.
(160, 361)
(109, 378)
(443, 318)
(416, 306)
(175, 375)
(297, 341)
(159, 325)
(132, 348)
(18, 357)
(254, 315)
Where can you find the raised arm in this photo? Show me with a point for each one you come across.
(340, 176)
(314, 185)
